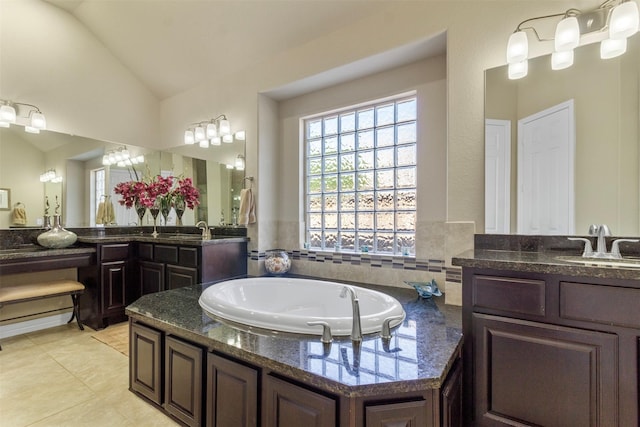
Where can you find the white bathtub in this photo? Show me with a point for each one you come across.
(286, 304)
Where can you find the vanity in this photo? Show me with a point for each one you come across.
(204, 372)
(549, 341)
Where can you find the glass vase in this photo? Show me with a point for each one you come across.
(140, 210)
(277, 262)
(155, 210)
(179, 208)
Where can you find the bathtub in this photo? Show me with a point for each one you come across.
(287, 304)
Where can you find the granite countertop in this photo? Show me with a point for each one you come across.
(549, 262)
(35, 251)
(418, 356)
(172, 239)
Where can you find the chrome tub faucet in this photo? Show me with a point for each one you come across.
(356, 327)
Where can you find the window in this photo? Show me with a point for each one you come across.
(360, 168)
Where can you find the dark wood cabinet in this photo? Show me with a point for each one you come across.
(550, 350)
(232, 393)
(151, 275)
(451, 397)
(109, 286)
(285, 404)
(409, 414)
(183, 381)
(179, 277)
(145, 362)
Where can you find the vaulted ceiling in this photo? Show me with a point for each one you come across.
(175, 45)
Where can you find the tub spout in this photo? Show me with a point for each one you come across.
(356, 327)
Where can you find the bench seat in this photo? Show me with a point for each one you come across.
(33, 291)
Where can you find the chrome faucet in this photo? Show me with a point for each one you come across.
(602, 232)
(206, 232)
(356, 328)
(601, 247)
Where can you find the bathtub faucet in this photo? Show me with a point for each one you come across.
(356, 327)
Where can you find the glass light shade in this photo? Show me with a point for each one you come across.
(241, 135)
(610, 48)
(57, 179)
(204, 143)
(561, 60)
(38, 121)
(212, 131)
(216, 141)
(567, 34)
(43, 177)
(4, 124)
(199, 133)
(118, 156)
(133, 160)
(121, 164)
(7, 114)
(229, 166)
(105, 160)
(31, 129)
(225, 127)
(189, 138)
(227, 138)
(518, 70)
(624, 20)
(240, 163)
(140, 158)
(517, 47)
(125, 153)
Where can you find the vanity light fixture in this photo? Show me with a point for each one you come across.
(121, 157)
(212, 132)
(9, 115)
(240, 162)
(611, 24)
(50, 176)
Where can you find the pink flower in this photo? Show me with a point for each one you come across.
(145, 194)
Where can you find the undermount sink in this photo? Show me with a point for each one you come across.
(602, 262)
(286, 305)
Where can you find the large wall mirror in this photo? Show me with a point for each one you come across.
(605, 179)
(217, 172)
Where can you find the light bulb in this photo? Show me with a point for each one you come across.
(624, 20)
(225, 127)
(561, 60)
(212, 131)
(189, 138)
(517, 47)
(518, 70)
(610, 48)
(567, 34)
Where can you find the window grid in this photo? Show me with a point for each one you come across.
(361, 178)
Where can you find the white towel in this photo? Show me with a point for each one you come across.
(100, 213)
(247, 214)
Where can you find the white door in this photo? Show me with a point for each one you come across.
(546, 151)
(497, 176)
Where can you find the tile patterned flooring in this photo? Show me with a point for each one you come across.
(63, 377)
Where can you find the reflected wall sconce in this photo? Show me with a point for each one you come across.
(50, 176)
(240, 162)
(611, 24)
(121, 158)
(212, 132)
(9, 115)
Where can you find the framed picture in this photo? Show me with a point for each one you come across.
(5, 199)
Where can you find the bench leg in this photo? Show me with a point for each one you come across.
(76, 311)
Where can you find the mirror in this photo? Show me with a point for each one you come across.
(606, 96)
(24, 157)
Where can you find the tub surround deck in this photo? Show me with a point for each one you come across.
(418, 357)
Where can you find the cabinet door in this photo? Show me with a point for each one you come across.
(183, 381)
(145, 362)
(151, 277)
(179, 277)
(529, 373)
(451, 395)
(404, 414)
(232, 393)
(114, 284)
(286, 405)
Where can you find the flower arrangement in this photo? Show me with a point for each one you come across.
(162, 189)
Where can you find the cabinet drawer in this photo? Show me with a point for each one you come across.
(188, 257)
(115, 252)
(509, 294)
(145, 251)
(167, 254)
(611, 305)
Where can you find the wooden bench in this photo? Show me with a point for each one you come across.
(34, 291)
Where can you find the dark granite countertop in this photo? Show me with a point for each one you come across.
(550, 262)
(35, 251)
(418, 356)
(173, 239)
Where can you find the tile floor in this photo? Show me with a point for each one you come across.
(63, 377)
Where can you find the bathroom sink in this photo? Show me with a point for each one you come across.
(286, 305)
(185, 236)
(602, 262)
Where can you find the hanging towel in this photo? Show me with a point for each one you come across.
(100, 213)
(109, 213)
(19, 214)
(247, 214)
